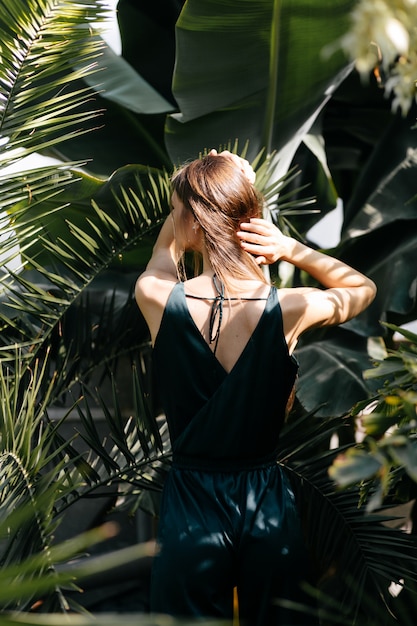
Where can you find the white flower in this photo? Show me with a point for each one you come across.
(402, 84)
(397, 35)
(385, 32)
(379, 25)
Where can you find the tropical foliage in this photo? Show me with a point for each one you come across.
(382, 39)
(385, 459)
(76, 234)
(48, 261)
(313, 110)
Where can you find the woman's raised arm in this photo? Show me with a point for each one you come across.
(347, 293)
(163, 262)
(155, 283)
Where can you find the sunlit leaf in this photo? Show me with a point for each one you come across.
(354, 467)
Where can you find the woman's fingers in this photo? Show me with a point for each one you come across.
(250, 237)
(260, 224)
(258, 248)
(262, 252)
(244, 165)
(256, 234)
(261, 239)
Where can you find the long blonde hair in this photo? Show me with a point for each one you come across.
(220, 198)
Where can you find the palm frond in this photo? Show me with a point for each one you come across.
(33, 578)
(133, 455)
(140, 454)
(60, 256)
(42, 474)
(357, 555)
(46, 48)
(28, 489)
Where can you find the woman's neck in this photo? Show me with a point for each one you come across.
(233, 285)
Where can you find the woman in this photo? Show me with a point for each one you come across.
(223, 344)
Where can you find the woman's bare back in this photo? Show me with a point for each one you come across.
(225, 324)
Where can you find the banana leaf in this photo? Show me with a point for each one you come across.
(330, 377)
(264, 84)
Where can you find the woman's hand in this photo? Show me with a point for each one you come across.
(240, 163)
(264, 241)
(347, 293)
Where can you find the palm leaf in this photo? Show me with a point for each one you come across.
(67, 254)
(144, 415)
(40, 41)
(29, 487)
(41, 475)
(120, 83)
(133, 455)
(140, 456)
(356, 555)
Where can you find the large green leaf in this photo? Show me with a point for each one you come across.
(371, 154)
(353, 122)
(385, 191)
(119, 82)
(133, 92)
(331, 366)
(387, 255)
(147, 31)
(253, 71)
(265, 78)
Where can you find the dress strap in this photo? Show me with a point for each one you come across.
(216, 313)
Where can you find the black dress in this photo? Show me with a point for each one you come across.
(228, 517)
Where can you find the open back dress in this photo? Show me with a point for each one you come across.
(228, 517)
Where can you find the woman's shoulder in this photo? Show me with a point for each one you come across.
(153, 288)
(152, 293)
